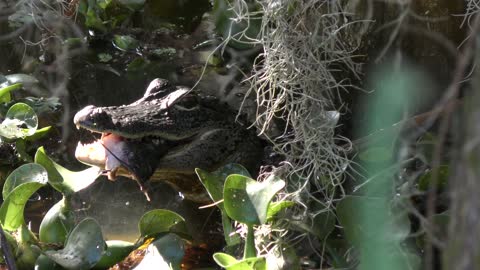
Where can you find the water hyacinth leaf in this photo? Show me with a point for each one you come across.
(230, 263)
(158, 221)
(275, 207)
(24, 174)
(83, 249)
(17, 193)
(64, 180)
(166, 252)
(39, 133)
(57, 223)
(20, 121)
(125, 42)
(247, 200)
(213, 181)
(116, 251)
(45, 263)
(5, 91)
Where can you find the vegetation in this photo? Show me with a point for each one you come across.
(308, 76)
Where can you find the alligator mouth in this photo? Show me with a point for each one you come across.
(110, 153)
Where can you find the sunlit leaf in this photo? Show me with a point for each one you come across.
(247, 200)
(276, 207)
(230, 263)
(166, 252)
(125, 43)
(64, 180)
(20, 121)
(57, 223)
(20, 185)
(83, 249)
(158, 221)
(5, 91)
(116, 251)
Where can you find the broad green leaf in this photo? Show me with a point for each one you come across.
(275, 207)
(24, 174)
(5, 91)
(83, 249)
(64, 180)
(57, 224)
(116, 251)
(20, 185)
(137, 64)
(27, 252)
(230, 263)
(125, 43)
(11, 211)
(20, 121)
(39, 133)
(213, 183)
(158, 221)
(247, 200)
(45, 263)
(166, 252)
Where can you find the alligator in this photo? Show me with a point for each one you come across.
(164, 136)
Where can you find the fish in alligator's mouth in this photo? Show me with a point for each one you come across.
(164, 136)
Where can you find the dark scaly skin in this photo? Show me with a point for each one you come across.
(170, 134)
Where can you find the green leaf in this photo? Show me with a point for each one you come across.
(213, 183)
(158, 221)
(166, 252)
(116, 251)
(125, 43)
(39, 133)
(20, 121)
(275, 207)
(20, 185)
(230, 263)
(64, 180)
(247, 200)
(45, 263)
(104, 57)
(83, 249)
(57, 224)
(5, 91)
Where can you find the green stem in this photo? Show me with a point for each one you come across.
(250, 244)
